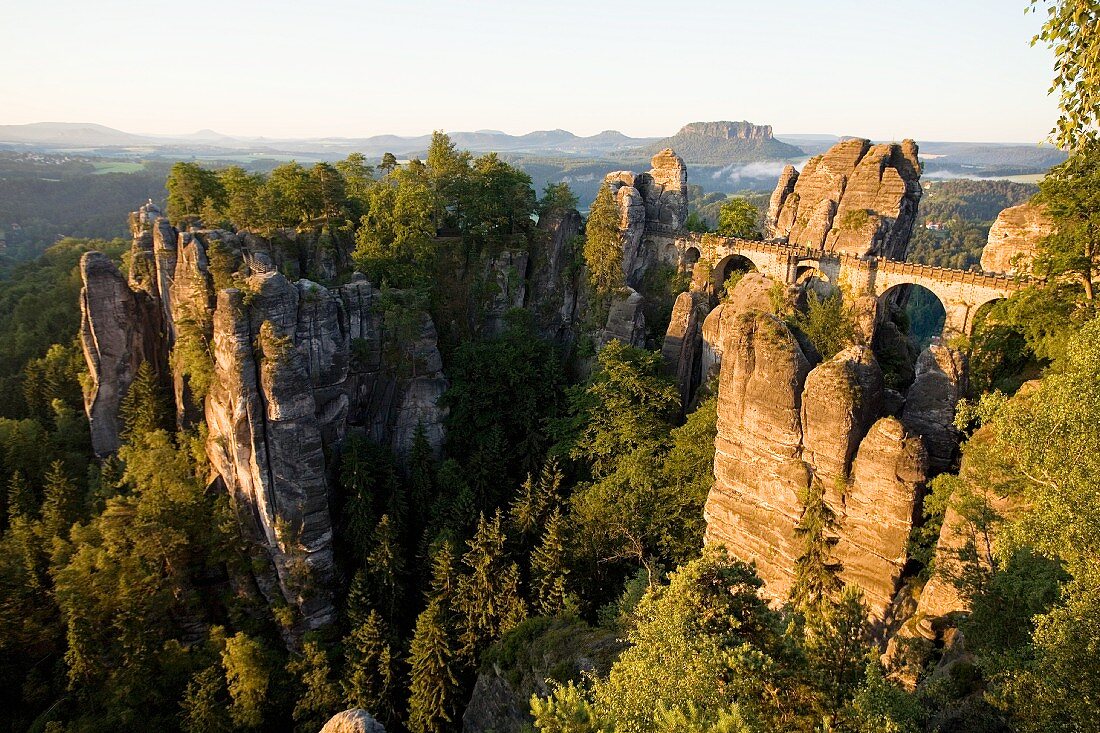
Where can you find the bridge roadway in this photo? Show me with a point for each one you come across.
(961, 292)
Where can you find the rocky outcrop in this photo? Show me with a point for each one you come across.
(625, 320)
(755, 502)
(930, 403)
(355, 720)
(506, 276)
(555, 651)
(280, 370)
(1014, 239)
(841, 399)
(117, 332)
(783, 426)
(750, 293)
(657, 199)
(553, 285)
(724, 142)
(879, 508)
(681, 349)
(857, 198)
(664, 189)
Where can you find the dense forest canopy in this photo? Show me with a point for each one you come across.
(555, 544)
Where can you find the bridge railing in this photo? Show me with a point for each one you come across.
(942, 274)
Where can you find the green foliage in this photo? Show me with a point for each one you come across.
(549, 569)
(503, 392)
(627, 406)
(369, 677)
(1071, 31)
(320, 696)
(248, 678)
(854, 220)
(191, 188)
(144, 409)
(817, 576)
(433, 686)
(739, 218)
(487, 597)
(603, 248)
(827, 322)
(556, 197)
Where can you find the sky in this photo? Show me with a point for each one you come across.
(933, 70)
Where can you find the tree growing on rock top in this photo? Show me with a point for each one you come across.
(603, 247)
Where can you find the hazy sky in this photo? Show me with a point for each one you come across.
(933, 70)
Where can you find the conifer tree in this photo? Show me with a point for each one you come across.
(20, 497)
(320, 697)
(603, 248)
(817, 575)
(368, 679)
(205, 702)
(143, 409)
(59, 503)
(386, 567)
(548, 568)
(421, 480)
(433, 686)
(444, 582)
(487, 598)
(359, 603)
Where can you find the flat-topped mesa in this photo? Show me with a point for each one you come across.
(1014, 239)
(280, 370)
(727, 130)
(857, 198)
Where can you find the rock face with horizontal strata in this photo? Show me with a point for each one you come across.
(782, 426)
(295, 366)
(1014, 239)
(857, 198)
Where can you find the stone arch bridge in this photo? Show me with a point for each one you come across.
(961, 292)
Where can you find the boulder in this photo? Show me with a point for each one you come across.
(355, 720)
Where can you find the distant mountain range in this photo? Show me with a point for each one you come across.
(722, 155)
(560, 142)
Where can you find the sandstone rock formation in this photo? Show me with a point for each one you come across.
(115, 334)
(880, 507)
(1014, 239)
(683, 342)
(750, 293)
(506, 275)
(355, 720)
(553, 284)
(625, 320)
(857, 198)
(280, 370)
(930, 403)
(759, 474)
(782, 426)
(657, 199)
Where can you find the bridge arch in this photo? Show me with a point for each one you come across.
(728, 265)
(926, 313)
